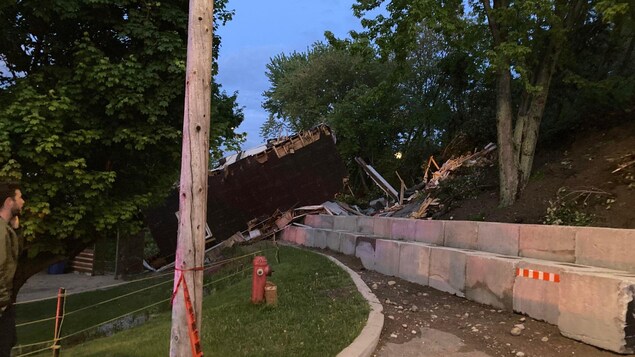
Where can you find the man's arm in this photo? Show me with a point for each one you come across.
(5, 279)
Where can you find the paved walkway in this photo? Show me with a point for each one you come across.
(43, 285)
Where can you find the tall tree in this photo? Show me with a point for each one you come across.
(91, 106)
(340, 84)
(527, 39)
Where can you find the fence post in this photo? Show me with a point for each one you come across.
(59, 316)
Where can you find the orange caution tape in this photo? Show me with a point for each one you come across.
(195, 341)
(538, 275)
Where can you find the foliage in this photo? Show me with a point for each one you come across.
(604, 82)
(466, 184)
(568, 207)
(566, 214)
(150, 248)
(343, 85)
(377, 106)
(91, 112)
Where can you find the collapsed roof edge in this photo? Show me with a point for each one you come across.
(281, 146)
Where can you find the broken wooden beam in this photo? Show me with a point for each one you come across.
(378, 179)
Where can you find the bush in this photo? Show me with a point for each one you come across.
(466, 184)
(568, 208)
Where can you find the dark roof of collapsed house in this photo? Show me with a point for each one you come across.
(282, 174)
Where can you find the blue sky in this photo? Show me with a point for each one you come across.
(262, 29)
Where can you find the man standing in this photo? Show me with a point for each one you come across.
(10, 249)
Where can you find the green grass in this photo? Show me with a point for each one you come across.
(319, 313)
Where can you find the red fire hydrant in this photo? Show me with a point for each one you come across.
(259, 279)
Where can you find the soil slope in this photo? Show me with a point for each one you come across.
(579, 173)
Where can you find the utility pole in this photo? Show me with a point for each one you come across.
(190, 249)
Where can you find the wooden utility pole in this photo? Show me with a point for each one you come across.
(190, 249)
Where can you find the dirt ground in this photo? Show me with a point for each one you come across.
(584, 162)
(411, 310)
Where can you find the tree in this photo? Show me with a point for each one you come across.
(90, 115)
(528, 40)
(524, 47)
(377, 106)
(340, 84)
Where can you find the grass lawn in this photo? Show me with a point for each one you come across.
(319, 313)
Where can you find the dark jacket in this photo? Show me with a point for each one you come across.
(10, 248)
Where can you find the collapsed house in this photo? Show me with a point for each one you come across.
(280, 175)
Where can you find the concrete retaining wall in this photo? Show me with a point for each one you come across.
(601, 247)
(529, 269)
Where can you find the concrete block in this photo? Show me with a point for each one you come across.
(319, 240)
(348, 243)
(598, 309)
(302, 234)
(500, 238)
(333, 240)
(606, 247)
(311, 220)
(461, 234)
(429, 231)
(555, 243)
(345, 223)
(288, 234)
(447, 270)
(309, 239)
(365, 224)
(387, 257)
(489, 279)
(365, 251)
(414, 262)
(319, 221)
(538, 298)
(382, 227)
(403, 228)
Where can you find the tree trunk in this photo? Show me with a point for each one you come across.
(507, 158)
(190, 249)
(531, 124)
(507, 150)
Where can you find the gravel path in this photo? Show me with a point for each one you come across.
(424, 322)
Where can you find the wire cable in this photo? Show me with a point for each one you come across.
(20, 347)
(137, 291)
(226, 277)
(110, 320)
(118, 297)
(143, 279)
(114, 319)
(34, 352)
(35, 322)
(99, 288)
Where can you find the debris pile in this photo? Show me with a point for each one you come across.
(424, 209)
(478, 158)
